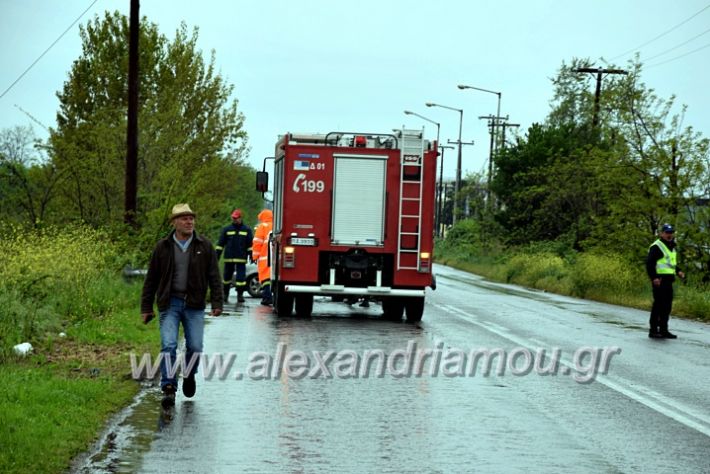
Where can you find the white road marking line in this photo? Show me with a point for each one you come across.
(653, 400)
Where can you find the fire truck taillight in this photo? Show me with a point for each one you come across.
(424, 262)
(289, 257)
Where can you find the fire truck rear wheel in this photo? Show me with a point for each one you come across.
(393, 307)
(415, 309)
(304, 305)
(283, 302)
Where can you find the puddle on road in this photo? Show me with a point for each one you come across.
(621, 324)
(128, 435)
(529, 293)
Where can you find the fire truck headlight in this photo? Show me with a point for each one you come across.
(289, 257)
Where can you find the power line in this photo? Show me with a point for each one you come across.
(678, 45)
(32, 117)
(661, 35)
(47, 50)
(678, 57)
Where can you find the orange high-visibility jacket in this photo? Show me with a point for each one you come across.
(260, 244)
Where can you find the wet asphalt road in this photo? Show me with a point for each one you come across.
(649, 413)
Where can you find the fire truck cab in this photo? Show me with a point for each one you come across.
(353, 216)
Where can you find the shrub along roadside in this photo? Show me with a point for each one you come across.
(601, 277)
(55, 402)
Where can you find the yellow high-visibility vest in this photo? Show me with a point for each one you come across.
(666, 264)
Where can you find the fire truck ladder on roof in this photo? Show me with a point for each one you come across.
(411, 186)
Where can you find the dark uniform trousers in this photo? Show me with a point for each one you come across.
(662, 304)
(240, 284)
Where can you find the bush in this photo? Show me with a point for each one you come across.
(48, 276)
(529, 269)
(692, 301)
(595, 275)
(554, 266)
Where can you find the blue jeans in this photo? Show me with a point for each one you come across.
(193, 325)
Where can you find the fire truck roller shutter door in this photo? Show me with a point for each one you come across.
(358, 216)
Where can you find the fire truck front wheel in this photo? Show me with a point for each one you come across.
(304, 305)
(415, 309)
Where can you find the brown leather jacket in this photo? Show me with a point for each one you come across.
(203, 273)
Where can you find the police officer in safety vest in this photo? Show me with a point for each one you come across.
(662, 267)
(235, 241)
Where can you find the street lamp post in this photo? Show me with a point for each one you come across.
(457, 185)
(494, 134)
(499, 94)
(440, 208)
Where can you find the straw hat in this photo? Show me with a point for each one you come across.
(180, 210)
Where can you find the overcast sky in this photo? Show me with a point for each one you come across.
(319, 66)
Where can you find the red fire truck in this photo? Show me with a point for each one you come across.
(353, 217)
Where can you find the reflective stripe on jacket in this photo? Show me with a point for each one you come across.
(235, 241)
(665, 265)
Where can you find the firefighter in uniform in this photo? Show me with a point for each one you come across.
(235, 241)
(260, 253)
(661, 266)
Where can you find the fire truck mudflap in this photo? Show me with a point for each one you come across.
(353, 216)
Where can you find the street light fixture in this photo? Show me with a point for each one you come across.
(494, 132)
(499, 94)
(438, 125)
(457, 185)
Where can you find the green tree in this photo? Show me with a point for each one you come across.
(191, 137)
(662, 168)
(539, 184)
(611, 185)
(27, 180)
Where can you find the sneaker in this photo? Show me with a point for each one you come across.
(168, 397)
(655, 335)
(188, 386)
(668, 335)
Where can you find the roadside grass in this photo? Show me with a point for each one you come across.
(49, 418)
(56, 401)
(83, 321)
(606, 278)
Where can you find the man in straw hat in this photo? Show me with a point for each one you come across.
(182, 267)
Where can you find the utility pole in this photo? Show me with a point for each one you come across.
(440, 196)
(131, 188)
(493, 123)
(457, 184)
(598, 91)
(502, 140)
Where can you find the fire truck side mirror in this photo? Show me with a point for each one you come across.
(262, 181)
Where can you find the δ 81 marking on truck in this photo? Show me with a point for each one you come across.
(353, 216)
